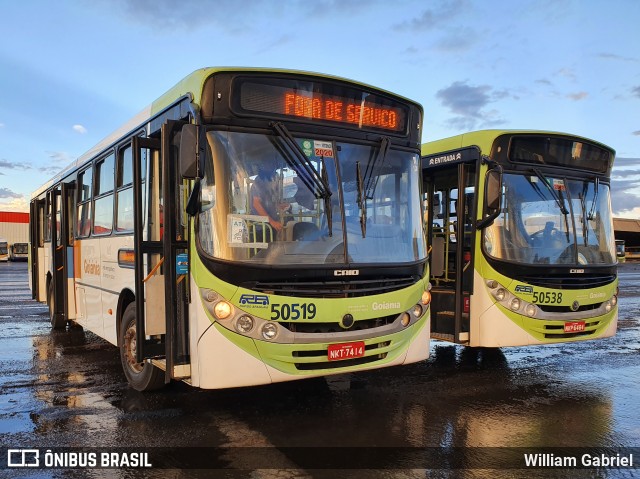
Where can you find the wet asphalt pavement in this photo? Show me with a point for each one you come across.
(66, 390)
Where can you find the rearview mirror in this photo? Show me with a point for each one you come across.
(492, 197)
(188, 157)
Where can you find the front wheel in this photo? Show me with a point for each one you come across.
(141, 376)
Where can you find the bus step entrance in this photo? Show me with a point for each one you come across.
(180, 371)
(444, 337)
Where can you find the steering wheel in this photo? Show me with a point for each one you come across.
(548, 232)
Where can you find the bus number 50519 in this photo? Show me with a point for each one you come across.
(293, 311)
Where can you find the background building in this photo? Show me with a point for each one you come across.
(14, 227)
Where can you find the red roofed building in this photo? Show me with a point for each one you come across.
(14, 227)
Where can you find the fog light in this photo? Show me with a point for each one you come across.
(607, 306)
(492, 283)
(269, 331)
(209, 295)
(406, 319)
(417, 310)
(530, 310)
(244, 324)
(222, 310)
(614, 300)
(515, 304)
(426, 298)
(500, 294)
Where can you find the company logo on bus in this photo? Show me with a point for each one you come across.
(346, 272)
(254, 299)
(524, 289)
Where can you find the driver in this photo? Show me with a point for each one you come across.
(265, 196)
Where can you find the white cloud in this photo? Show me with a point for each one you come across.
(20, 204)
(79, 129)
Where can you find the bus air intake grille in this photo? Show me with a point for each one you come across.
(323, 328)
(578, 281)
(566, 309)
(332, 289)
(324, 364)
(557, 332)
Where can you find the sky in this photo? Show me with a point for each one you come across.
(73, 71)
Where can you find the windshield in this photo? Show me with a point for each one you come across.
(552, 221)
(259, 203)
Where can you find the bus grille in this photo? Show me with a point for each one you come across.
(315, 328)
(324, 364)
(567, 309)
(557, 331)
(569, 282)
(333, 289)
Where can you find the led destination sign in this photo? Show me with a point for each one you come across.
(323, 102)
(341, 111)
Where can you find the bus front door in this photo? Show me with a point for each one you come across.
(161, 255)
(451, 202)
(60, 199)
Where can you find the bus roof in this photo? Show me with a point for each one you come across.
(192, 86)
(484, 140)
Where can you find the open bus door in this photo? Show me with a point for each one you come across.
(161, 255)
(60, 198)
(450, 198)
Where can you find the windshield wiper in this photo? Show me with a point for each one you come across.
(362, 200)
(371, 181)
(557, 197)
(296, 159)
(367, 184)
(592, 211)
(301, 163)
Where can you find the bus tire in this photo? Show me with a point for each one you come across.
(57, 320)
(141, 376)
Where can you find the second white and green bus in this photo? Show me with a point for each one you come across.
(251, 226)
(521, 236)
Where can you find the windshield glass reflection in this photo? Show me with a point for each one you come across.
(563, 222)
(259, 204)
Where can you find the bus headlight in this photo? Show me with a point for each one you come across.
(244, 324)
(515, 304)
(417, 310)
(614, 300)
(530, 310)
(492, 283)
(426, 298)
(222, 310)
(405, 320)
(269, 331)
(607, 306)
(500, 294)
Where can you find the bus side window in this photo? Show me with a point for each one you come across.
(124, 190)
(103, 202)
(83, 216)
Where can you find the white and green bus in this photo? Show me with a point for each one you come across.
(251, 226)
(521, 237)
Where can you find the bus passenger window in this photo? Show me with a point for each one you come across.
(103, 204)
(124, 195)
(83, 214)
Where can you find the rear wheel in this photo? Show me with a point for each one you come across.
(141, 376)
(57, 320)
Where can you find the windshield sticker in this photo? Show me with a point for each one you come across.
(248, 231)
(558, 185)
(317, 149)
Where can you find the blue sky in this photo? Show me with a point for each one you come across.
(73, 71)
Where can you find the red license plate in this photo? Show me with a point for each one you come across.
(336, 352)
(574, 327)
